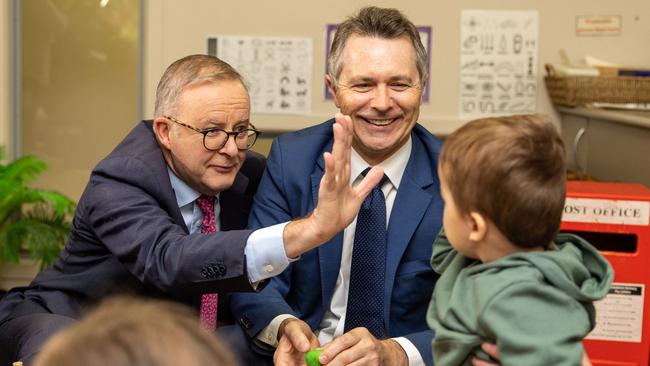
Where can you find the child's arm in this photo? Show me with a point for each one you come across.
(536, 324)
(443, 253)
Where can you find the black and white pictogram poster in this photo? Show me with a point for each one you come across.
(278, 70)
(498, 63)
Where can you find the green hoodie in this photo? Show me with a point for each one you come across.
(536, 306)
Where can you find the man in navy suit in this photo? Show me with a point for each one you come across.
(138, 226)
(377, 72)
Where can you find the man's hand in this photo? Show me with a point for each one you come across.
(338, 202)
(359, 347)
(492, 350)
(296, 338)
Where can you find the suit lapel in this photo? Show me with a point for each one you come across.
(410, 204)
(329, 254)
(235, 205)
(170, 201)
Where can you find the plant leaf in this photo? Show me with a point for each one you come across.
(32, 220)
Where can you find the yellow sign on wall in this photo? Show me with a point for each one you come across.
(599, 25)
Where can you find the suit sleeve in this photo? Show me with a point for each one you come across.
(270, 206)
(129, 220)
(535, 324)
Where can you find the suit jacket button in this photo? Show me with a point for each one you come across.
(205, 272)
(219, 270)
(245, 322)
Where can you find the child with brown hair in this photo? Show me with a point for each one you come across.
(508, 277)
(130, 331)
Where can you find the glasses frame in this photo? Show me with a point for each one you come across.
(206, 131)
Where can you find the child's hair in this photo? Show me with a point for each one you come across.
(512, 170)
(128, 331)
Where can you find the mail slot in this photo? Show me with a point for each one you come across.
(614, 217)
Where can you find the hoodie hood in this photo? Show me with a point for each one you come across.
(572, 265)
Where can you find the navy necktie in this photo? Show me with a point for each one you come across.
(367, 271)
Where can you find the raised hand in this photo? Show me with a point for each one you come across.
(338, 202)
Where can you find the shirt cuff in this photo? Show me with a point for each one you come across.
(415, 359)
(269, 335)
(265, 254)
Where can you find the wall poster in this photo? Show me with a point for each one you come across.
(278, 70)
(498, 62)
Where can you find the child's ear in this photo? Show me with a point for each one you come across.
(478, 226)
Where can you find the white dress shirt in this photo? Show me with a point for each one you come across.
(333, 321)
(265, 254)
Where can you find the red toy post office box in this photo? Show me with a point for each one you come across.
(614, 217)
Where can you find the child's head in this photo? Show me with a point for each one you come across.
(511, 171)
(128, 331)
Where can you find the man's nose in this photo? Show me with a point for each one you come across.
(230, 148)
(382, 99)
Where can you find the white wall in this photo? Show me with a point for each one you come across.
(176, 28)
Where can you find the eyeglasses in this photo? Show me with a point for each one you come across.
(216, 138)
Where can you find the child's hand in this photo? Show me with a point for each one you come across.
(492, 350)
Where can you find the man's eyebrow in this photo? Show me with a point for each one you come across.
(246, 121)
(213, 123)
(219, 124)
(368, 79)
(361, 79)
(401, 78)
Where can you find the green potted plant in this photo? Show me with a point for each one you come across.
(33, 222)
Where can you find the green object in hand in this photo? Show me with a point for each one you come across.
(312, 357)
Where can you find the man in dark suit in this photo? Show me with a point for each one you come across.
(146, 222)
(377, 71)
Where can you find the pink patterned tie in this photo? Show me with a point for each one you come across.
(208, 312)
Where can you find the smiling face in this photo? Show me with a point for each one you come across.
(379, 87)
(223, 104)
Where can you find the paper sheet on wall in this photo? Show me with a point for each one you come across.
(498, 62)
(277, 69)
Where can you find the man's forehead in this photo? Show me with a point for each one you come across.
(377, 47)
(227, 92)
(215, 84)
(365, 55)
(369, 41)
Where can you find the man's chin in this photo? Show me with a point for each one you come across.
(220, 185)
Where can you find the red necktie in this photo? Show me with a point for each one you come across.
(208, 312)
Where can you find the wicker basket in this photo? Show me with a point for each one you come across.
(581, 90)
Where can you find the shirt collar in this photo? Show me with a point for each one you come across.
(393, 167)
(184, 193)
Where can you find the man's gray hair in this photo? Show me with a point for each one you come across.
(376, 22)
(188, 71)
